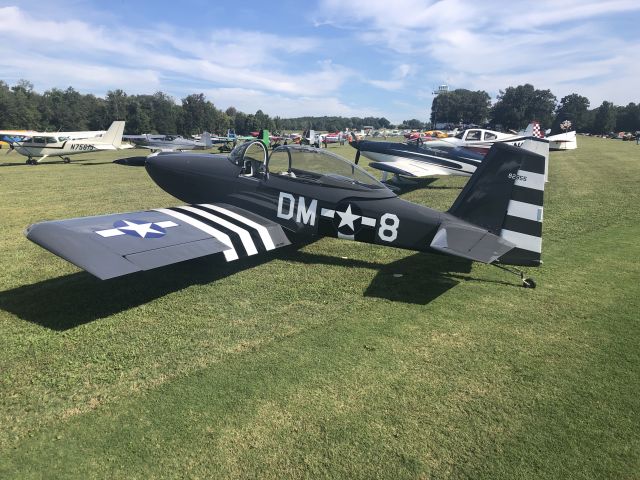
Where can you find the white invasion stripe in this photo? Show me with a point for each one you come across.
(245, 236)
(325, 212)
(524, 210)
(166, 224)
(522, 240)
(229, 254)
(112, 232)
(345, 237)
(533, 180)
(368, 221)
(262, 230)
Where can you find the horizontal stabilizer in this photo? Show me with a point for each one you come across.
(113, 245)
(467, 241)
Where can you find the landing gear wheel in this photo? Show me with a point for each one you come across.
(66, 160)
(528, 283)
(31, 161)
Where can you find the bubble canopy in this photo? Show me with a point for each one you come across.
(319, 166)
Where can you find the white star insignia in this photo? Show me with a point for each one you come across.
(141, 229)
(347, 218)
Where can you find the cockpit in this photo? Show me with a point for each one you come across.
(302, 164)
(40, 140)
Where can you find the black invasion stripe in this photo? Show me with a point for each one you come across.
(235, 238)
(523, 225)
(527, 195)
(533, 164)
(520, 256)
(255, 235)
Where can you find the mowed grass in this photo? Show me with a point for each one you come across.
(320, 361)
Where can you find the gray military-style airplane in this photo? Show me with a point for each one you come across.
(169, 143)
(250, 202)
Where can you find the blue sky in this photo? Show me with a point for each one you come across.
(325, 57)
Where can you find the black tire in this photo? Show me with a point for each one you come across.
(66, 160)
(529, 283)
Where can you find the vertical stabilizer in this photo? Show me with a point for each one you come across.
(505, 197)
(113, 136)
(206, 138)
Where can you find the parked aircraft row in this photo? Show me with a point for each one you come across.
(459, 155)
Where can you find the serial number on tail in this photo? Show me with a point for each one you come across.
(515, 176)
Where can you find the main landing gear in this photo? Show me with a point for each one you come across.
(526, 282)
(31, 161)
(66, 159)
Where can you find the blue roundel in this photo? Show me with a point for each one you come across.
(140, 228)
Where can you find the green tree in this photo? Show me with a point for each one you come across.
(605, 118)
(574, 108)
(116, 105)
(461, 105)
(518, 106)
(628, 118)
(23, 108)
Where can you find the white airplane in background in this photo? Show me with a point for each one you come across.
(57, 145)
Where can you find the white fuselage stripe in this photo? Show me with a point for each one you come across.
(229, 254)
(244, 235)
(262, 230)
(533, 180)
(522, 240)
(525, 210)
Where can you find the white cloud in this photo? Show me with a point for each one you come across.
(285, 106)
(226, 57)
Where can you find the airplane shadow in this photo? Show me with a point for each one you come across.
(72, 300)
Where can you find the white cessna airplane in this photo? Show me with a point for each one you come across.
(56, 145)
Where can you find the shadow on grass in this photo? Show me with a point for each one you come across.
(66, 302)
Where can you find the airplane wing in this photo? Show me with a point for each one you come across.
(109, 246)
(408, 168)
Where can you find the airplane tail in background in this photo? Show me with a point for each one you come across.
(265, 137)
(113, 136)
(533, 130)
(505, 197)
(206, 138)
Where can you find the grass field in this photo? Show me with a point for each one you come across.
(320, 362)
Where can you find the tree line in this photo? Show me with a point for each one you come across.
(517, 106)
(68, 110)
(23, 108)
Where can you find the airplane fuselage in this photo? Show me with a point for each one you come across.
(302, 208)
(59, 148)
